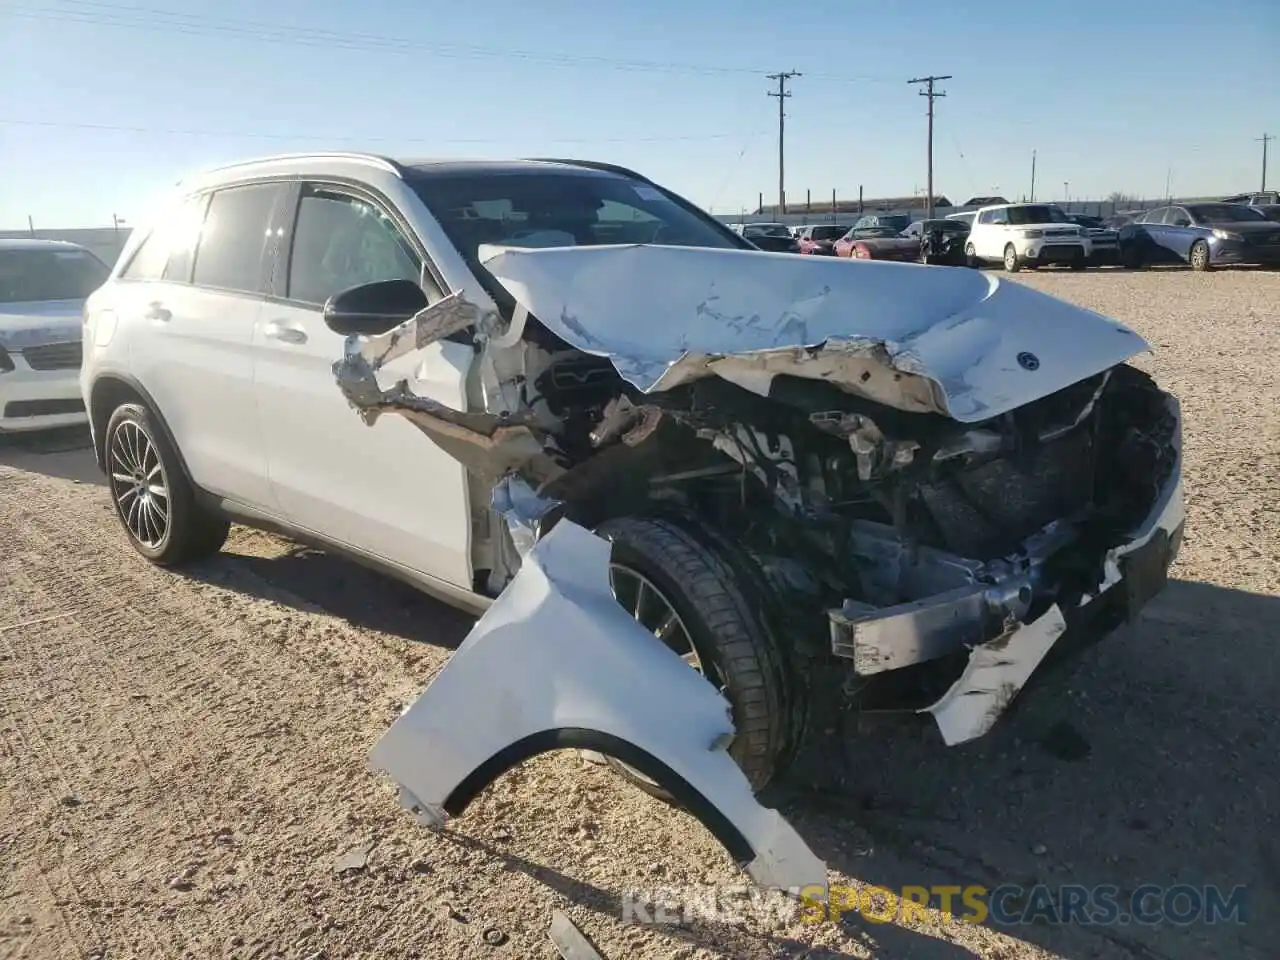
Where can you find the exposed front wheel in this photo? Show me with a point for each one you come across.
(1200, 256)
(151, 494)
(971, 255)
(684, 589)
(1011, 262)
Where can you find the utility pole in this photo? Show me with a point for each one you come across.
(932, 94)
(782, 95)
(1265, 138)
(1033, 176)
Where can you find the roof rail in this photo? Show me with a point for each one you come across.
(595, 165)
(373, 160)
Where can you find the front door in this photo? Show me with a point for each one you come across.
(383, 488)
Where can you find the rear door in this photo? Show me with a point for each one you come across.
(382, 489)
(193, 330)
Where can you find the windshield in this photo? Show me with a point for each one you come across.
(32, 274)
(1041, 213)
(895, 223)
(561, 210)
(828, 233)
(765, 230)
(946, 226)
(883, 230)
(1224, 212)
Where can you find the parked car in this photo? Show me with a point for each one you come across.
(942, 242)
(776, 237)
(1269, 210)
(1118, 220)
(819, 239)
(1027, 235)
(878, 243)
(1104, 241)
(1085, 220)
(43, 286)
(1204, 235)
(873, 224)
(1254, 199)
(980, 478)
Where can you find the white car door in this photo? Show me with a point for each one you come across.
(191, 316)
(388, 492)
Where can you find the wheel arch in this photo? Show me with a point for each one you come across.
(582, 738)
(109, 391)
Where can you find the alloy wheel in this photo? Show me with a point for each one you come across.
(654, 611)
(139, 485)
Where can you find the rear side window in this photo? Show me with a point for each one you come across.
(342, 241)
(166, 252)
(237, 237)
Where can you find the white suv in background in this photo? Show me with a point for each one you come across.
(43, 285)
(1027, 235)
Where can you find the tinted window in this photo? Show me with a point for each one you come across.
(828, 233)
(342, 241)
(50, 274)
(1153, 216)
(235, 238)
(1224, 212)
(1178, 217)
(166, 252)
(1036, 214)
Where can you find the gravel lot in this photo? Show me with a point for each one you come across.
(182, 755)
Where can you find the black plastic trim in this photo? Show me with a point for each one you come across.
(579, 738)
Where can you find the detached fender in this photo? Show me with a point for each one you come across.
(555, 663)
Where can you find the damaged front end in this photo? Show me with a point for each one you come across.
(914, 470)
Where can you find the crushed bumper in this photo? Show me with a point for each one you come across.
(987, 615)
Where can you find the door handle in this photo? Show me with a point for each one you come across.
(156, 311)
(279, 330)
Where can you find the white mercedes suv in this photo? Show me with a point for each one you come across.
(810, 474)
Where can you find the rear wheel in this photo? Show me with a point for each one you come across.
(152, 496)
(684, 589)
(1011, 262)
(1200, 256)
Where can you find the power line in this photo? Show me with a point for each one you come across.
(251, 135)
(932, 94)
(1265, 138)
(122, 16)
(782, 94)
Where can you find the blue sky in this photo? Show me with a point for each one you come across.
(109, 101)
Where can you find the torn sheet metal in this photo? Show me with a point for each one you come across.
(665, 315)
(995, 673)
(555, 663)
(435, 322)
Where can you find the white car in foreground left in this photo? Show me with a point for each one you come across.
(43, 286)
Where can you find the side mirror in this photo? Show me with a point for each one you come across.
(373, 308)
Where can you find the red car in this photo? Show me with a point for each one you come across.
(819, 239)
(878, 243)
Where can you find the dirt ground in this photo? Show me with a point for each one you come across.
(182, 756)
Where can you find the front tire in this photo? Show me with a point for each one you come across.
(1200, 257)
(151, 494)
(1011, 262)
(687, 592)
(971, 256)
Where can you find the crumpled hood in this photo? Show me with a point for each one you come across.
(667, 315)
(25, 325)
